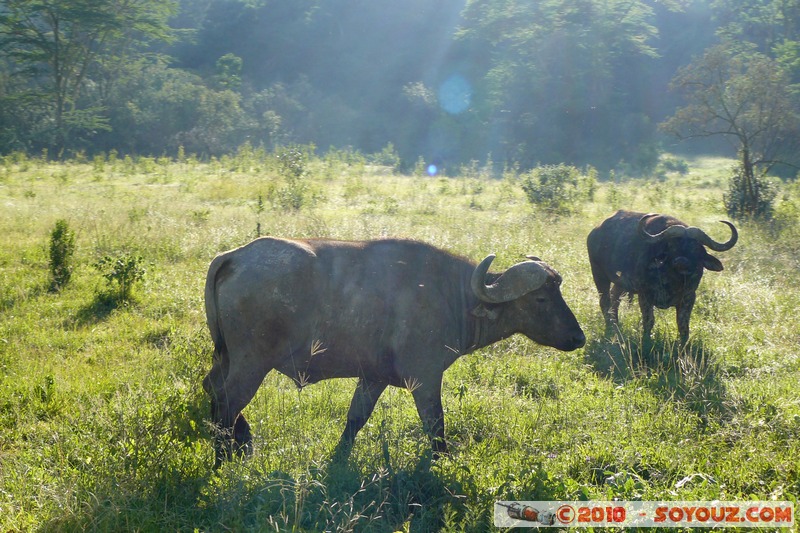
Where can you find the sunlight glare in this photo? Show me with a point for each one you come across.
(455, 94)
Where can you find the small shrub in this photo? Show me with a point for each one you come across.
(62, 248)
(558, 188)
(387, 157)
(674, 164)
(259, 210)
(749, 196)
(121, 274)
(291, 165)
(420, 168)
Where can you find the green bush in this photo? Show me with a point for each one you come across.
(674, 164)
(388, 157)
(749, 196)
(62, 248)
(559, 188)
(292, 167)
(121, 274)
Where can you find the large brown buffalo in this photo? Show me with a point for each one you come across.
(658, 258)
(389, 312)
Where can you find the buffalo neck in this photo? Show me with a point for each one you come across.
(482, 322)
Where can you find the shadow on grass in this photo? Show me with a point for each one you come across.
(689, 374)
(241, 496)
(96, 311)
(185, 494)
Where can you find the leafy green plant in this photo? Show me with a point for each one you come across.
(388, 156)
(62, 249)
(420, 168)
(292, 167)
(675, 164)
(121, 274)
(558, 188)
(750, 195)
(259, 210)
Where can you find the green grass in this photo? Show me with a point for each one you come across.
(103, 420)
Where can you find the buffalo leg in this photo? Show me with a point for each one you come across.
(648, 316)
(361, 407)
(609, 304)
(684, 313)
(603, 289)
(428, 399)
(214, 385)
(229, 395)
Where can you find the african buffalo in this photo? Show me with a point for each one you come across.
(389, 312)
(657, 257)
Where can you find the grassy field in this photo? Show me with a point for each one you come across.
(103, 421)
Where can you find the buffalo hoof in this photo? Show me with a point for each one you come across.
(228, 449)
(342, 452)
(240, 446)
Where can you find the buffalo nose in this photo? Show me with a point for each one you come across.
(681, 264)
(579, 339)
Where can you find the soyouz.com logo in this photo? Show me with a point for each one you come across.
(715, 514)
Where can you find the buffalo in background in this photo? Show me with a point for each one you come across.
(387, 312)
(658, 258)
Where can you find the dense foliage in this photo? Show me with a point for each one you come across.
(452, 81)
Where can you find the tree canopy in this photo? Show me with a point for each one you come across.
(64, 49)
(451, 81)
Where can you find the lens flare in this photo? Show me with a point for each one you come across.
(455, 94)
(432, 170)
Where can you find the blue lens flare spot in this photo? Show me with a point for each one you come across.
(432, 170)
(455, 94)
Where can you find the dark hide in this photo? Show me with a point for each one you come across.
(663, 274)
(388, 312)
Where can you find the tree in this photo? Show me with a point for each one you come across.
(771, 26)
(764, 23)
(58, 45)
(558, 76)
(154, 109)
(745, 98)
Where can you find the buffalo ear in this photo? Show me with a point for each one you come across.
(712, 263)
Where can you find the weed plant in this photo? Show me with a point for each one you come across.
(104, 423)
(62, 248)
(121, 273)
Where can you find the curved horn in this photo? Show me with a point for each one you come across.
(670, 233)
(705, 240)
(520, 279)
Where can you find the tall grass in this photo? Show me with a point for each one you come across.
(103, 422)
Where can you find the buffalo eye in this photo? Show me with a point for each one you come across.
(659, 260)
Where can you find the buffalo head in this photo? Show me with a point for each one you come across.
(530, 294)
(675, 257)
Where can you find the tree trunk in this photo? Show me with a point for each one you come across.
(750, 187)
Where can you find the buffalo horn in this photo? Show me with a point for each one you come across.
(670, 233)
(691, 232)
(518, 280)
(705, 240)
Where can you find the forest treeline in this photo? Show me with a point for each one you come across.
(449, 81)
